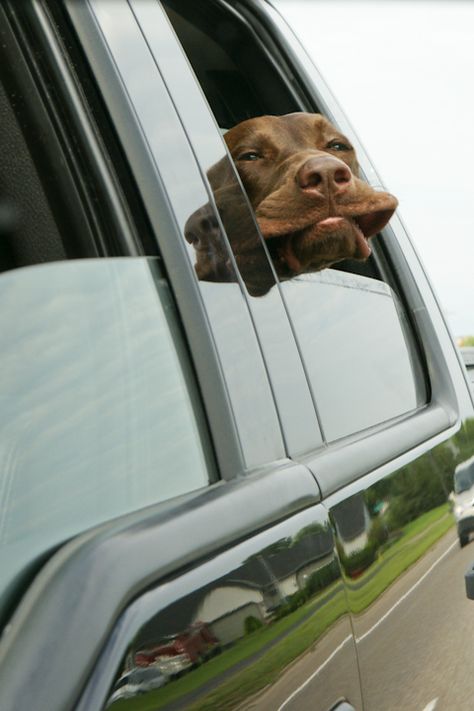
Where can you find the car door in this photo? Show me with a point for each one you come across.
(394, 411)
(173, 553)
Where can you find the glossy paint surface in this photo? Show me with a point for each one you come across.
(257, 617)
(257, 627)
(403, 568)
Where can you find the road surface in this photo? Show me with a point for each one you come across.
(415, 646)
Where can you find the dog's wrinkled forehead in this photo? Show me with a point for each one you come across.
(283, 136)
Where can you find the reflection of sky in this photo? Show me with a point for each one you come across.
(95, 416)
(403, 74)
(354, 350)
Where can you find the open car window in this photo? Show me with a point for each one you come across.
(354, 334)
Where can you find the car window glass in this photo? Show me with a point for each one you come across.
(53, 204)
(354, 335)
(100, 414)
(354, 349)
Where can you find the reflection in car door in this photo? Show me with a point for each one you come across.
(261, 625)
(403, 571)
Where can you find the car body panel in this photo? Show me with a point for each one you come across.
(86, 583)
(319, 567)
(275, 609)
(402, 568)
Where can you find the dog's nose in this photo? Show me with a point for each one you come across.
(324, 173)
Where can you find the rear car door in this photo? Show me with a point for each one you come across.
(162, 546)
(394, 410)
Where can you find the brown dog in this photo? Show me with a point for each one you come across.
(301, 176)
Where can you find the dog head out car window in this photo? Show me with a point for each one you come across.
(301, 177)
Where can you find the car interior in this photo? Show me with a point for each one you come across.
(224, 56)
(53, 209)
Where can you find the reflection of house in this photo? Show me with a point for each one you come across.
(352, 521)
(225, 609)
(254, 589)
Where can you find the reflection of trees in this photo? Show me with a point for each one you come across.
(315, 583)
(395, 501)
(424, 484)
(312, 530)
(416, 489)
(379, 537)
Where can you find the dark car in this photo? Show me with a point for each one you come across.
(262, 463)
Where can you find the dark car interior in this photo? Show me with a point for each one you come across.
(53, 209)
(224, 56)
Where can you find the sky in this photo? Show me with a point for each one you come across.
(403, 71)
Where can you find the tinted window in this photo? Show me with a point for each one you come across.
(44, 212)
(99, 413)
(357, 358)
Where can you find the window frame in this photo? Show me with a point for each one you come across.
(163, 208)
(198, 122)
(349, 458)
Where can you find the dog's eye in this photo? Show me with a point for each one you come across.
(249, 155)
(338, 146)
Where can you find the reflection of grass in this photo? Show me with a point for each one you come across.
(418, 536)
(261, 672)
(421, 523)
(267, 669)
